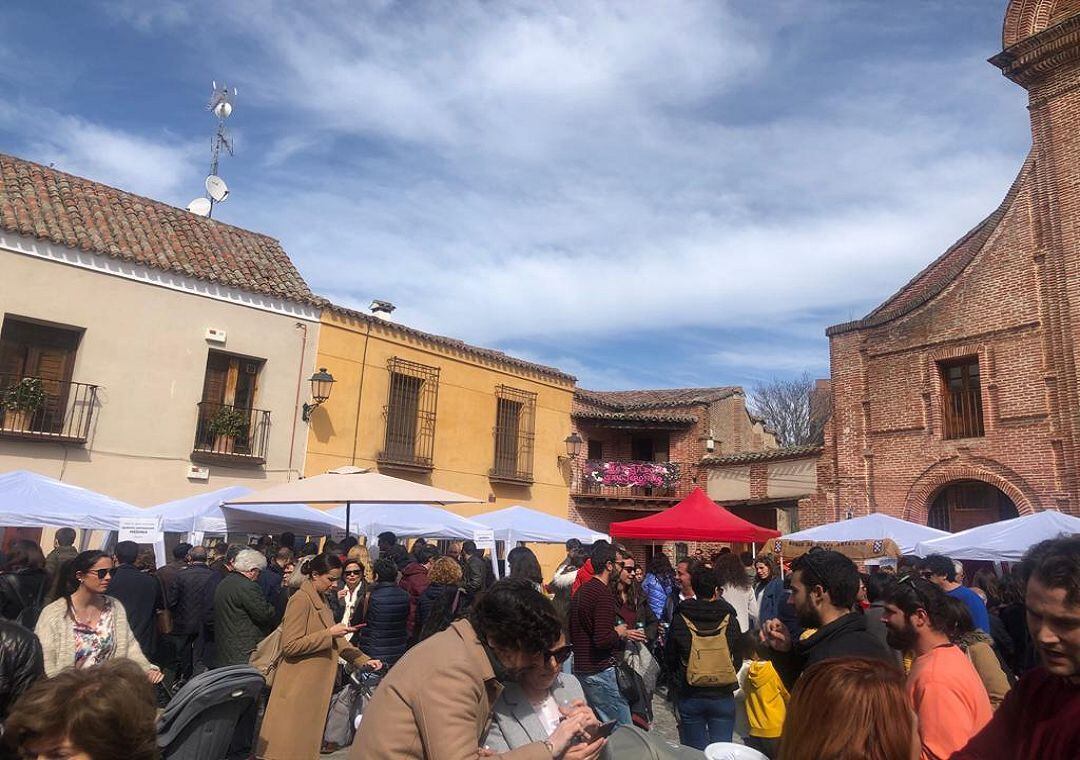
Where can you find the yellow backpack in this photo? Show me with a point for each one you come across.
(709, 662)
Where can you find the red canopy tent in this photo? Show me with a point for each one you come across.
(695, 518)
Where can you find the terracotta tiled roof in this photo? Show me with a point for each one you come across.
(626, 401)
(676, 419)
(79, 213)
(486, 353)
(935, 278)
(746, 457)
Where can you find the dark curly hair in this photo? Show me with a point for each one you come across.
(1055, 563)
(512, 614)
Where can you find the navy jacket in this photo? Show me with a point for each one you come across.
(191, 598)
(385, 637)
(140, 593)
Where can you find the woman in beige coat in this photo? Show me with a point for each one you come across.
(311, 644)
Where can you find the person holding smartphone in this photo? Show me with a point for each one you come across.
(311, 643)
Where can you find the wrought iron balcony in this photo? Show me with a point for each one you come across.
(40, 409)
(231, 435)
(630, 479)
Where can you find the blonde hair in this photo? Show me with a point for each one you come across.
(445, 571)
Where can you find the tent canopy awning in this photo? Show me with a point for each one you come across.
(353, 485)
(407, 520)
(523, 524)
(876, 526)
(695, 518)
(204, 512)
(1004, 541)
(29, 500)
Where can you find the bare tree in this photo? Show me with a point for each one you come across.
(795, 409)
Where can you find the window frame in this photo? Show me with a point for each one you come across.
(969, 421)
(516, 464)
(419, 454)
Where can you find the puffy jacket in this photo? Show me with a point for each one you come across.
(189, 599)
(414, 579)
(21, 663)
(22, 589)
(242, 617)
(657, 590)
(385, 637)
(704, 615)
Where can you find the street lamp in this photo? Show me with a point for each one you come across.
(573, 442)
(322, 382)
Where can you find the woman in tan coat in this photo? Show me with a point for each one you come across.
(311, 644)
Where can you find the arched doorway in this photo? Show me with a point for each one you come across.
(965, 504)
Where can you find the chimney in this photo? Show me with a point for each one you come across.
(382, 309)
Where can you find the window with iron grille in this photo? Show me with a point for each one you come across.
(515, 415)
(410, 414)
(962, 402)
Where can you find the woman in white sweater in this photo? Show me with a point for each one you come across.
(735, 587)
(84, 627)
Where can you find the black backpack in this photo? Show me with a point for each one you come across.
(30, 603)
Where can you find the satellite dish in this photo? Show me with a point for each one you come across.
(216, 188)
(199, 206)
(223, 109)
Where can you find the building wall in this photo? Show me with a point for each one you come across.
(144, 346)
(1016, 307)
(349, 428)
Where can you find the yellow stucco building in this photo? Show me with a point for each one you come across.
(441, 412)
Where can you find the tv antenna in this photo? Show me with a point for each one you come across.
(221, 105)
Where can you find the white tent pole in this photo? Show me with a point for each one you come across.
(753, 549)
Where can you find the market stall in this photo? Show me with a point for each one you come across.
(518, 523)
(695, 518)
(875, 526)
(1003, 541)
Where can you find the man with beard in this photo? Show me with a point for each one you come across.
(1040, 717)
(823, 589)
(945, 690)
(436, 702)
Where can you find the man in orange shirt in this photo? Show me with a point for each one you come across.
(946, 692)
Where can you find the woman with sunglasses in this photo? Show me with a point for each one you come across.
(528, 711)
(349, 601)
(84, 627)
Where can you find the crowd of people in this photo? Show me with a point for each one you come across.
(821, 662)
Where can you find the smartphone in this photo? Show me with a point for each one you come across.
(603, 731)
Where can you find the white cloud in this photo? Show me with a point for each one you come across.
(158, 167)
(513, 172)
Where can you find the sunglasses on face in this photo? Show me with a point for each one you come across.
(352, 572)
(102, 573)
(561, 655)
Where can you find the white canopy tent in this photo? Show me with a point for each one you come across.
(204, 513)
(1004, 541)
(354, 486)
(519, 523)
(411, 521)
(906, 534)
(29, 500)
(408, 520)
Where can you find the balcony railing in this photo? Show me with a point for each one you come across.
(631, 479)
(231, 435)
(62, 412)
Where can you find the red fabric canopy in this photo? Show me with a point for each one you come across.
(695, 518)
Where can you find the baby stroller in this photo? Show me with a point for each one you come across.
(347, 707)
(201, 718)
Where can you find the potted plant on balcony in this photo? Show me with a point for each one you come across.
(225, 426)
(20, 401)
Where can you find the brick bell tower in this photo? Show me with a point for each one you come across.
(1041, 40)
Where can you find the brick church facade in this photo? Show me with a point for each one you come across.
(956, 402)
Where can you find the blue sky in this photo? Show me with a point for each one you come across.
(642, 194)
